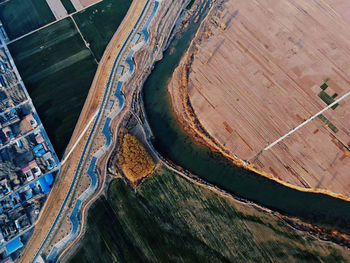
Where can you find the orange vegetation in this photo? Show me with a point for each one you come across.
(134, 160)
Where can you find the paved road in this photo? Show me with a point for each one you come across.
(100, 117)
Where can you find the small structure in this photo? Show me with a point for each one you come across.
(5, 186)
(136, 38)
(120, 70)
(39, 138)
(30, 118)
(8, 133)
(32, 169)
(14, 245)
(10, 118)
(39, 149)
(19, 144)
(45, 183)
(49, 160)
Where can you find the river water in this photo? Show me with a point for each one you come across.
(174, 144)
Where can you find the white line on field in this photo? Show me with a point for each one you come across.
(80, 137)
(307, 121)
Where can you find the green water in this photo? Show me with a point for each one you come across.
(173, 143)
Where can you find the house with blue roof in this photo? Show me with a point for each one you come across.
(14, 245)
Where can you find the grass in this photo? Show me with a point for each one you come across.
(324, 86)
(172, 220)
(190, 4)
(20, 17)
(329, 124)
(328, 99)
(57, 69)
(68, 6)
(99, 22)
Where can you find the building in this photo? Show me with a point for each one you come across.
(31, 170)
(39, 138)
(8, 133)
(49, 160)
(30, 118)
(45, 183)
(5, 187)
(40, 149)
(14, 245)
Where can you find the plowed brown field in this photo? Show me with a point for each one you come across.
(259, 75)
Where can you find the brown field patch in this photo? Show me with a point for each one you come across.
(261, 76)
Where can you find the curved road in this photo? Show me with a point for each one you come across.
(106, 132)
(100, 116)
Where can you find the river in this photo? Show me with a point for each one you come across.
(174, 144)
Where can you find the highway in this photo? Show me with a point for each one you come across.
(100, 117)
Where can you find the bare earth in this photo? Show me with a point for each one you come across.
(57, 8)
(86, 3)
(256, 75)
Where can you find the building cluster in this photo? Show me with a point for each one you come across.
(28, 163)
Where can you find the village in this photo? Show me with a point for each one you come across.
(28, 163)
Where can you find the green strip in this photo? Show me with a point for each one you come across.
(68, 6)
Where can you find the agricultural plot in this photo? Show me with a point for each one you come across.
(183, 222)
(57, 69)
(20, 17)
(68, 6)
(99, 22)
(267, 68)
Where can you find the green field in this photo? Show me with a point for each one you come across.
(99, 22)
(68, 6)
(172, 220)
(22, 16)
(57, 69)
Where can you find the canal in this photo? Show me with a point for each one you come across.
(174, 144)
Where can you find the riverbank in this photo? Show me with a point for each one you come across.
(185, 221)
(187, 113)
(178, 147)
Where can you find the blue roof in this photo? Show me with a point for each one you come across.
(40, 153)
(49, 179)
(39, 150)
(28, 194)
(45, 182)
(14, 245)
(38, 147)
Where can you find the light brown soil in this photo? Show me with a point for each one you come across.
(86, 3)
(255, 74)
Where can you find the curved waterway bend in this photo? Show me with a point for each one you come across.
(174, 144)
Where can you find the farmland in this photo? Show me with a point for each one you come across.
(259, 70)
(99, 22)
(55, 64)
(68, 6)
(57, 69)
(20, 17)
(185, 222)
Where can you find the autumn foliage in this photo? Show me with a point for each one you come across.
(133, 159)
